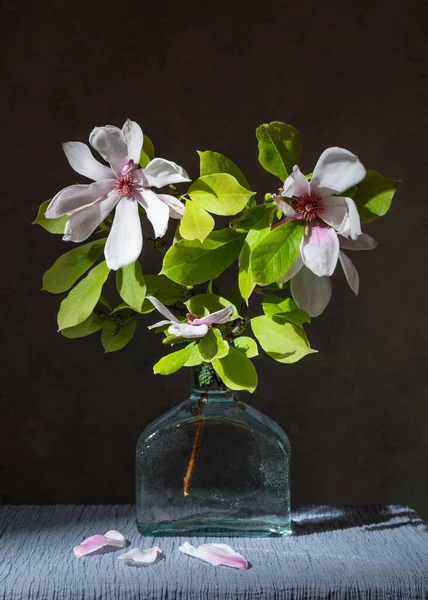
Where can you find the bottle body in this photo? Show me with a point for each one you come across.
(213, 466)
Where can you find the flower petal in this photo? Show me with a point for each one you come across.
(287, 210)
(296, 184)
(351, 225)
(81, 160)
(216, 554)
(310, 292)
(188, 331)
(160, 172)
(351, 272)
(142, 557)
(220, 316)
(95, 542)
(76, 196)
(125, 239)
(295, 268)
(320, 250)
(156, 210)
(110, 142)
(176, 208)
(337, 170)
(163, 309)
(335, 211)
(159, 324)
(363, 242)
(134, 140)
(83, 222)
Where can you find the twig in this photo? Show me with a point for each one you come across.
(196, 444)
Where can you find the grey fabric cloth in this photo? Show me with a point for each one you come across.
(370, 553)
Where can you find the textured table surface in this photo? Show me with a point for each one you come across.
(374, 552)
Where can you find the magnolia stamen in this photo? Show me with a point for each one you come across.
(309, 206)
(125, 185)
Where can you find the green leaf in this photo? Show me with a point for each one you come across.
(374, 196)
(202, 304)
(192, 262)
(124, 309)
(276, 252)
(80, 302)
(51, 225)
(162, 288)
(67, 269)
(105, 302)
(246, 345)
(260, 229)
(114, 337)
(92, 324)
(194, 358)
(196, 223)
(131, 285)
(256, 217)
(212, 345)
(285, 342)
(219, 194)
(174, 361)
(279, 148)
(236, 371)
(284, 309)
(214, 162)
(147, 152)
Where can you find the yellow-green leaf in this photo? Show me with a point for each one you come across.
(236, 371)
(219, 194)
(131, 285)
(115, 337)
(52, 225)
(80, 302)
(196, 223)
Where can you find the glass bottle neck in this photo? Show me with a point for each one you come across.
(205, 384)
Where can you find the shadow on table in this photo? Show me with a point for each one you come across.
(311, 520)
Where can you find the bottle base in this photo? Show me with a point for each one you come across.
(215, 527)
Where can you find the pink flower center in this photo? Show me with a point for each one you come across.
(309, 206)
(125, 185)
(190, 317)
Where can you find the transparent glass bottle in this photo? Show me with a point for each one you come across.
(213, 466)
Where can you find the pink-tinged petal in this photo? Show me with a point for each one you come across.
(125, 240)
(335, 211)
(363, 242)
(160, 172)
(220, 316)
(142, 557)
(293, 270)
(310, 292)
(296, 184)
(110, 142)
(81, 160)
(188, 331)
(337, 170)
(84, 221)
(176, 208)
(351, 226)
(76, 196)
(216, 554)
(156, 210)
(95, 542)
(320, 250)
(134, 140)
(163, 310)
(351, 272)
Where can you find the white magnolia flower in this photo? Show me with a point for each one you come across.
(123, 185)
(195, 327)
(326, 214)
(311, 292)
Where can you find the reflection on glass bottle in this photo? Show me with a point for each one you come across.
(213, 466)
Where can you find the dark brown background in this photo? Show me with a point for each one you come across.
(202, 76)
